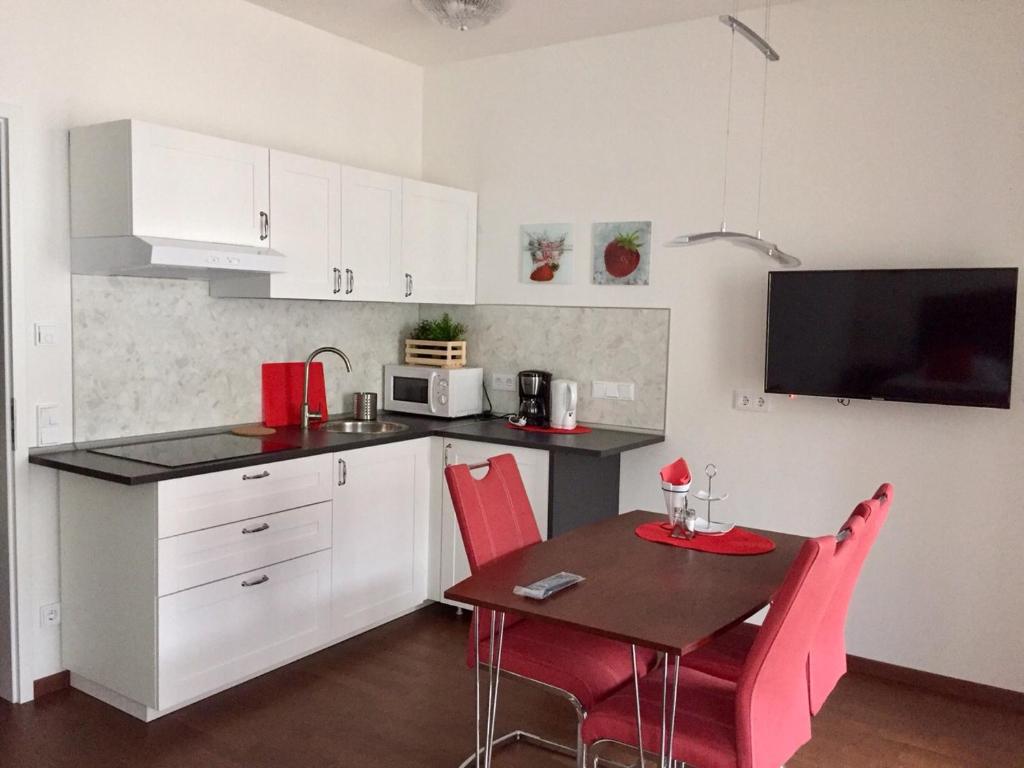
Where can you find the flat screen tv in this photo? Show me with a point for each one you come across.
(911, 335)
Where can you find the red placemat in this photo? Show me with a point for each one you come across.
(579, 430)
(738, 541)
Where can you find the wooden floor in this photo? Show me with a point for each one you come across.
(401, 696)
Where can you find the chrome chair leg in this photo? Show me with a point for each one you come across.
(524, 737)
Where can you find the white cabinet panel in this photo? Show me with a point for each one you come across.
(438, 243)
(371, 235)
(305, 208)
(200, 557)
(194, 187)
(381, 536)
(533, 467)
(204, 501)
(213, 635)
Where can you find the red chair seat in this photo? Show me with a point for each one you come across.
(587, 666)
(724, 657)
(705, 732)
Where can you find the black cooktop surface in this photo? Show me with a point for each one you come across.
(194, 450)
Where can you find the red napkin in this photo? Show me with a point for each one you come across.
(676, 473)
(282, 392)
(577, 430)
(738, 541)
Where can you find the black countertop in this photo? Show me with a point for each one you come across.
(600, 443)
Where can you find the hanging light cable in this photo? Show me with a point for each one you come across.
(754, 242)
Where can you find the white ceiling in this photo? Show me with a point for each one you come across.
(395, 27)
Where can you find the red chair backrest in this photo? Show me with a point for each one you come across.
(494, 512)
(495, 518)
(827, 662)
(772, 718)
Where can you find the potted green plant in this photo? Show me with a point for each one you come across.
(437, 342)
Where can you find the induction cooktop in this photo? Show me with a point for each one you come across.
(183, 451)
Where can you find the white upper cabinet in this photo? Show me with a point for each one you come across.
(438, 244)
(134, 178)
(371, 235)
(305, 199)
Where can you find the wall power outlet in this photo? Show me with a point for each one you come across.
(503, 382)
(49, 615)
(755, 402)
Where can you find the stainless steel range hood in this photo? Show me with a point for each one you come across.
(139, 256)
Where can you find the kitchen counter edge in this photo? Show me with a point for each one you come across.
(602, 442)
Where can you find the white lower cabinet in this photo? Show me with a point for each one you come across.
(533, 467)
(175, 590)
(381, 533)
(218, 633)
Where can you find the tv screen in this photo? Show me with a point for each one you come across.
(913, 335)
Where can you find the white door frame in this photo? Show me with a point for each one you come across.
(19, 530)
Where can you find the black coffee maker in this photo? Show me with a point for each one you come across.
(535, 398)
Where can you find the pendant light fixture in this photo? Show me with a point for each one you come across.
(462, 15)
(742, 239)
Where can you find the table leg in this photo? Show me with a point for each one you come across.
(636, 694)
(672, 725)
(492, 699)
(664, 712)
(476, 656)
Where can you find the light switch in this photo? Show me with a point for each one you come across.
(47, 424)
(45, 334)
(613, 390)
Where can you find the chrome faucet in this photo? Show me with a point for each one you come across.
(305, 412)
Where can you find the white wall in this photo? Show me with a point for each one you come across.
(222, 67)
(894, 139)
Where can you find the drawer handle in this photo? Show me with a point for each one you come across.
(256, 582)
(257, 529)
(260, 476)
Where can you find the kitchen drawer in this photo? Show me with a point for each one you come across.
(192, 559)
(223, 632)
(204, 501)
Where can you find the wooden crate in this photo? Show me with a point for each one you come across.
(442, 354)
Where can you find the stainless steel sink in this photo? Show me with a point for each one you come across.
(364, 427)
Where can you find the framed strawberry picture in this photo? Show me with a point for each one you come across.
(622, 253)
(546, 254)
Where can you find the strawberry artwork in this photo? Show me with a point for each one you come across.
(546, 252)
(622, 255)
(621, 252)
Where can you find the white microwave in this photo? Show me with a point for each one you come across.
(443, 392)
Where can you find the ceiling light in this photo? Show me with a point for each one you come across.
(753, 242)
(461, 14)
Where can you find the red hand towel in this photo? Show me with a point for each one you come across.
(282, 392)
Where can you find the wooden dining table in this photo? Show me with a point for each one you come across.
(643, 593)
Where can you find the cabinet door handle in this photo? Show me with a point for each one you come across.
(257, 529)
(264, 225)
(337, 280)
(408, 285)
(447, 447)
(342, 472)
(259, 476)
(351, 281)
(256, 582)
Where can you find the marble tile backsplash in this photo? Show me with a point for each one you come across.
(580, 343)
(155, 355)
(161, 355)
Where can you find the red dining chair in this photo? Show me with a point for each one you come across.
(495, 518)
(725, 656)
(761, 719)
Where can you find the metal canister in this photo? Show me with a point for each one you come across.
(364, 406)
